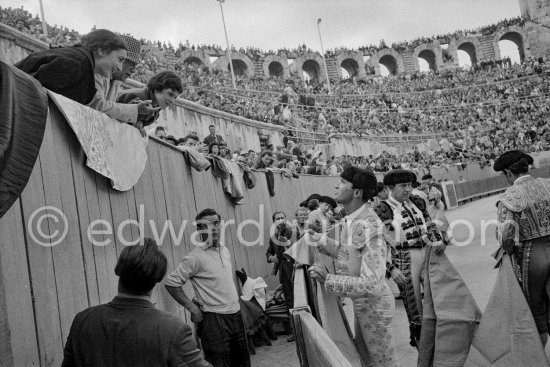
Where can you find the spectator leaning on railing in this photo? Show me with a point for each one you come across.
(69, 71)
(162, 90)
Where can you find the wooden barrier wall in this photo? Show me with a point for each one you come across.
(492, 185)
(43, 287)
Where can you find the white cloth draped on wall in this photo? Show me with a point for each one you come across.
(113, 149)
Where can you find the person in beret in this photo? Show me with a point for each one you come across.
(320, 219)
(527, 200)
(412, 229)
(362, 276)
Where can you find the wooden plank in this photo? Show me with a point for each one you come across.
(144, 194)
(258, 209)
(59, 192)
(320, 350)
(168, 163)
(181, 204)
(300, 342)
(108, 250)
(105, 277)
(18, 343)
(78, 167)
(41, 270)
(300, 288)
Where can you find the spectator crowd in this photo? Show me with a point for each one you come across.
(474, 114)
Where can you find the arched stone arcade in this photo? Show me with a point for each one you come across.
(470, 49)
(431, 53)
(275, 65)
(391, 59)
(195, 56)
(312, 65)
(242, 65)
(312, 69)
(352, 63)
(515, 34)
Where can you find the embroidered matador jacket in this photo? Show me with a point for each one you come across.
(410, 227)
(361, 269)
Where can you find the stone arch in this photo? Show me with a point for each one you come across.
(312, 69)
(312, 64)
(470, 45)
(353, 63)
(275, 64)
(196, 56)
(431, 53)
(515, 34)
(390, 59)
(155, 51)
(241, 64)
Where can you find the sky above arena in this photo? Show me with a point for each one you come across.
(273, 24)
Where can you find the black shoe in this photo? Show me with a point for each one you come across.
(291, 339)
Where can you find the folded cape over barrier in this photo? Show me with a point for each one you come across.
(507, 335)
(23, 113)
(114, 150)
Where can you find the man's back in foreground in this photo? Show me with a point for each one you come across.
(130, 332)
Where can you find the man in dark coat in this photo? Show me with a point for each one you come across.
(130, 331)
(275, 254)
(212, 136)
(283, 265)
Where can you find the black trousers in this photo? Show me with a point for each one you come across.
(224, 340)
(286, 273)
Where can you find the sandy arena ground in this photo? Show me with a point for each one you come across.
(473, 261)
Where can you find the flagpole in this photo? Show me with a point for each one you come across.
(44, 26)
(228, 48)
(323, 53)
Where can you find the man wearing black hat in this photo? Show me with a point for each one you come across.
(412, 229)
(321, 218)
(362, 251)
(527, 202)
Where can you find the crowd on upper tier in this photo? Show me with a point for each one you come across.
(489, 108)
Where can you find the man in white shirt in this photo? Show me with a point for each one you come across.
(215, 309)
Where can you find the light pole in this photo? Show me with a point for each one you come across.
(323, 53)
(44, 27)
(228, 48)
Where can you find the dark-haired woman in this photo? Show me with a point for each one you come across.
(162, 89)
(214, 148)
(525, 207)
(69, 71)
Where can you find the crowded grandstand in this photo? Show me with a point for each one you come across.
(474, 113)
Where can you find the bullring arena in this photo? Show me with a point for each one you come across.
(252, 134)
